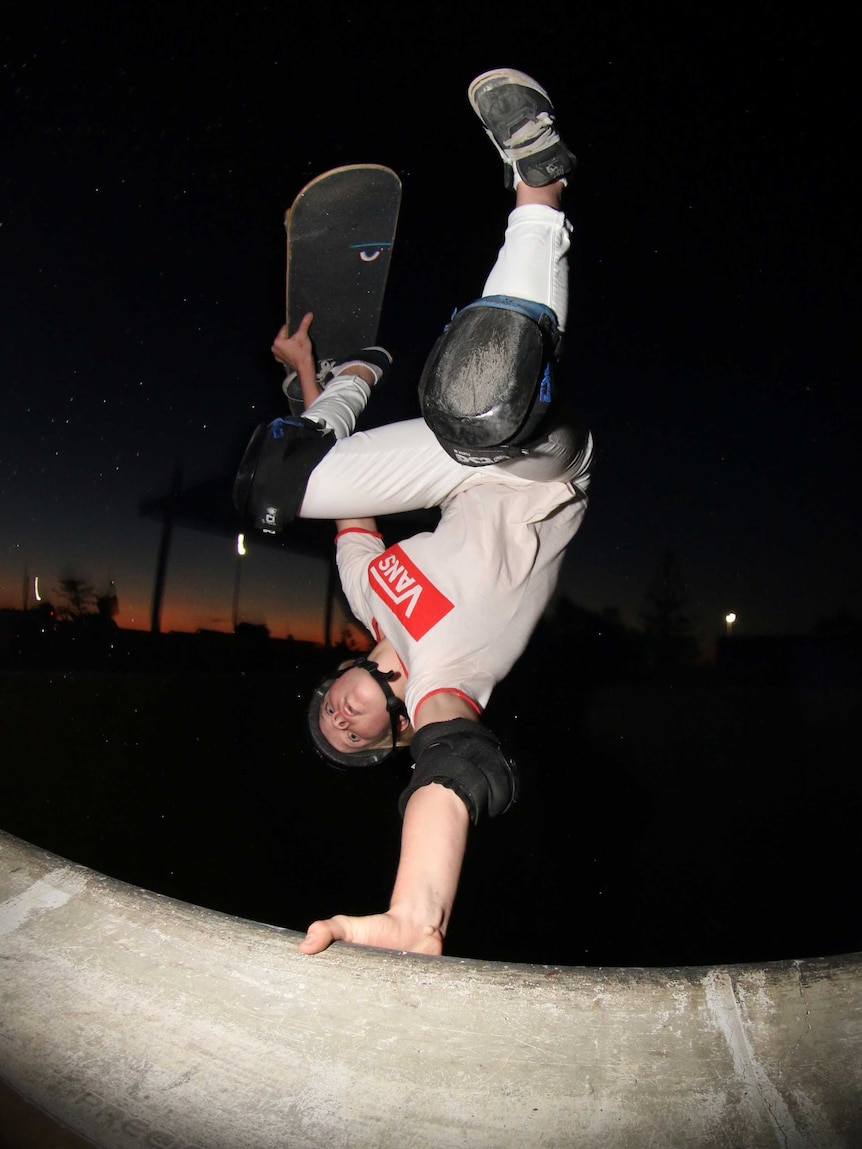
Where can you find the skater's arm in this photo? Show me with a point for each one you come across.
(433, 841)
(356, 525)
(296, 352)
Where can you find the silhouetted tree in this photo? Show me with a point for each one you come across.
(78, 597)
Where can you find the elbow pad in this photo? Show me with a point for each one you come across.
(465, 757)
(272, 477)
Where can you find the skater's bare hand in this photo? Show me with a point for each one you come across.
(295, 351)
(387, 931)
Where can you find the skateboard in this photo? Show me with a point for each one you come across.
(340, 234)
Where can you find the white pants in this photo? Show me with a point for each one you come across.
(401, 466)
(533, 261)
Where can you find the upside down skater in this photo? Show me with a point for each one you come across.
(453, 609)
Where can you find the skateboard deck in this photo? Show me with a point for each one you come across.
(340, 234)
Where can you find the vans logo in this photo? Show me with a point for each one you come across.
(406, 591)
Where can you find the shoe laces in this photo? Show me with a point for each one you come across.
(525, 141)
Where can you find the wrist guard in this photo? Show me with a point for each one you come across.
(465, 757)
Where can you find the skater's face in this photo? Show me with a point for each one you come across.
(353, 714)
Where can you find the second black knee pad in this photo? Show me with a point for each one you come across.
(489, 379)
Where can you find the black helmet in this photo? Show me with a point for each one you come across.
(368, 757)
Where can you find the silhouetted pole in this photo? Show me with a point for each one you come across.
(164, 551)
(330, 602)
(237, 577)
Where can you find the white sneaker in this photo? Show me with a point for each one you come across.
(519, 119)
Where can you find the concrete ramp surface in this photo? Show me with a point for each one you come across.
(129, 1019)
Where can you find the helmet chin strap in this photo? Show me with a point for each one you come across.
(394, 706)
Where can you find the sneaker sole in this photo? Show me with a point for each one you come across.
(503, 76)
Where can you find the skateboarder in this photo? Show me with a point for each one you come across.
(451, 610)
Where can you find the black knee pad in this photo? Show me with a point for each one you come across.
(489, 379)
(272, 477)
(465, 757)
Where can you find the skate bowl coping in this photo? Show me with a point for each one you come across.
(129, 1019)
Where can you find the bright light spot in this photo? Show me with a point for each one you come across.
(240, 544)
(730, 619)
(36, 594)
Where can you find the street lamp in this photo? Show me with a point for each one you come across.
(729, 620)
(240, 552)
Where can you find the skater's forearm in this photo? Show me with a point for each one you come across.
(306, 373)
(296, 352)
(433, 842)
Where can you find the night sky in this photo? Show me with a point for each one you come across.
(150, 152)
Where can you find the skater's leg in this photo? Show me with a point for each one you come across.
(533, 262)
(488, 383)
(341, 404)
(348, 384)
(519, 118)
(394, 468)
(482, 384)
(275, 469)
(347, 390)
